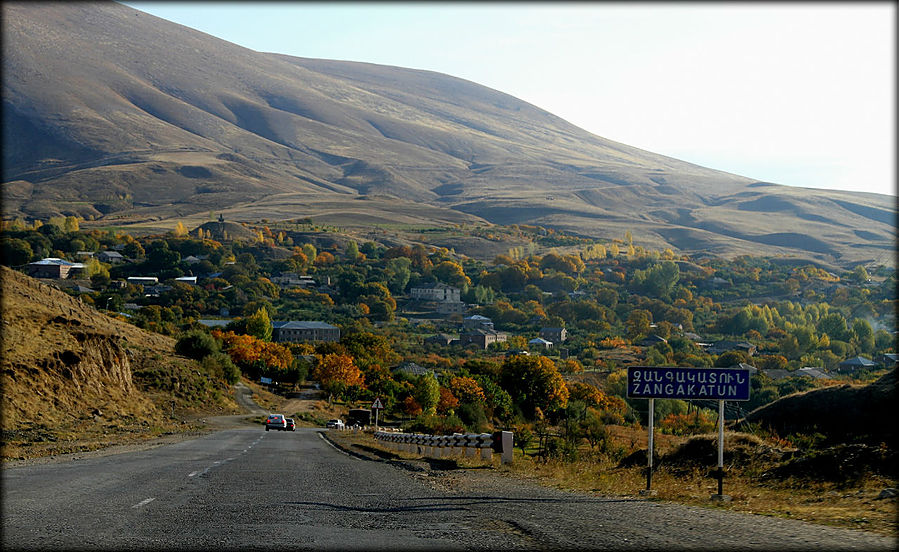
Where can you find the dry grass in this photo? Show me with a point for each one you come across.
(837, 504)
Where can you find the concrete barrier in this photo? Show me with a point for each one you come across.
(438, 446)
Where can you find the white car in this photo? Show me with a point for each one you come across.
(335, 424)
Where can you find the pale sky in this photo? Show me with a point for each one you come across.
(799, 94)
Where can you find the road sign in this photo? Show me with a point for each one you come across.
(377, 404)
(667, 382)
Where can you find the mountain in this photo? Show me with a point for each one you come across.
(114, 114)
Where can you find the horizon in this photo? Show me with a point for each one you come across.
(669, 75)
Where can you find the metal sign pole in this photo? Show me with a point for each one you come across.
(652, 409)
(721, 448)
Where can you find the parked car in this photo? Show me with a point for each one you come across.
(334, 424)
(276, 421)
(291, 425)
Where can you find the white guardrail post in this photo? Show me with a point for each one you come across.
(439, 446)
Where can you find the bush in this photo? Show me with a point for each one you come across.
(197, 344)
(220, 365)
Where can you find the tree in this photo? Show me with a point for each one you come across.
(451, 273)
(70, 224)
(638, 323)
(398, 271)
(180, 230)
(197, 344)
(731, 358)
(352, 251)
(427, 392)
(467, 390)
(259, 325)
(15, 251)
(337, 372)
(534, 382)
(447, 401)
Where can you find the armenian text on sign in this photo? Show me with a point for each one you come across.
(666, 382)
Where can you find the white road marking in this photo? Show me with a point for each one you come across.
(143, 502)
(191, 474)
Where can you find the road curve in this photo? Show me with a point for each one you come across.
(251, 489)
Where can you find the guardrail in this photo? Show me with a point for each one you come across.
(463, 444)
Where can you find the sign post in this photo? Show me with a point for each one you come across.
(377, 406)
(652, 412)
(668, 382)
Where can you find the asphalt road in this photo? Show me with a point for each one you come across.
(251, 489)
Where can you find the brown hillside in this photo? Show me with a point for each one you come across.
(115, 114)
(69, 370)
(845, 413)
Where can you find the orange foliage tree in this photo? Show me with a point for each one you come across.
(467, 390)
(254, 355)
(534, 382)
(447, 401)
(337, 372)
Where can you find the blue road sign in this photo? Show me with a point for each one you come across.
(667, 382)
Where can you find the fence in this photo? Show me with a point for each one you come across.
(438, 446)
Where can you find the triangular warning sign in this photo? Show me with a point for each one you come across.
(377, 404)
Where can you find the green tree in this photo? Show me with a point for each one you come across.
(197, 344)
(398, 271)
(15, 251)
(427, 392)
(638, 323)
(259, 325)
(352, 251)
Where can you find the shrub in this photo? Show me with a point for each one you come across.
(197, 344)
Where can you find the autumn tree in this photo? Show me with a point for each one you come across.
(638, 323)
(534, 382)
(337, 373)
(467, 390)
(447, 401)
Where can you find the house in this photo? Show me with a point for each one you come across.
(211, 323)
(778, 374)
(436, 292)
(653, 339)
(813, 372)
(190, 280)
(556, 335)
(748, 367)
(451, 307)
(477, 321)
(540, 342)
(156, 291)
(412, 369)
(723, 346)
(857, 363)
(304, 331)
(111, 257)
(52, 267)
(143, 280)
(440, 339)
(482, 337)
(888, 359)
(191, 260)
(293, 280)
